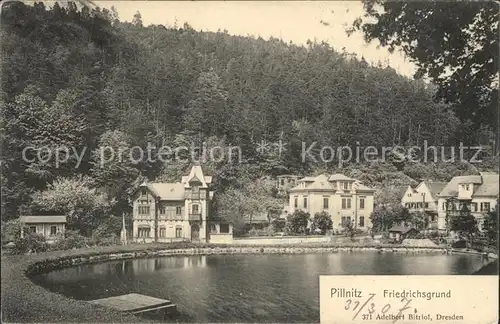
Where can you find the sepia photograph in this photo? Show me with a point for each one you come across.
(249, 161)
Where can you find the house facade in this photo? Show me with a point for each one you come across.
(424, 198)
(478, 193)
(51, 227)
(343, 198)
(169, 212)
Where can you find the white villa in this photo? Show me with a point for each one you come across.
(168, 212)
(344, 198)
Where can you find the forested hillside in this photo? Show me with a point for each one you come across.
(83, 79)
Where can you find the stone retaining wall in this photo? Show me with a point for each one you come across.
(64, 262)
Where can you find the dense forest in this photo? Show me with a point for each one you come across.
(80, 78)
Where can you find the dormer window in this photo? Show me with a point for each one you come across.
(346, 185)
(143, 192)
(467, 187)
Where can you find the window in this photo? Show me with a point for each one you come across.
(361, 203)
(325, 202)
(196, 189)
(433, 218)
(143, 210)
(163, 232)
(282, 182)
(407, 205)
(213, 228)
(474, 207)
(409, 195)
(444, 206)
(296, 203)
(144, 232)
(426, 205)
(305, 202)
(162, 209)
(143, 192)
(53, 230)
(346, 220)
(32, 229)
(346, 203)
(178, 232)
(362, 221)
(467, 187)
(224, 228)
(178, 210)
(346, 185)
(485, 206)
(194, 209)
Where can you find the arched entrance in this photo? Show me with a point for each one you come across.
(195, 232)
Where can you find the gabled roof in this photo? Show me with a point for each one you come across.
(435, 188)
(50, 219)
(321, 182)
(340, 177)
(361, 187)
(167, 191)
(400, 190)
(307, 179)
(196, 173)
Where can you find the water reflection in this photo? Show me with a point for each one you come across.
(243, 288)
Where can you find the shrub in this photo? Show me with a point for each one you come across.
(71, 240)
(30, 243)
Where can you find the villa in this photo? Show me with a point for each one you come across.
(343, 198)
(478, 193)
(168, 212)
(424, 198)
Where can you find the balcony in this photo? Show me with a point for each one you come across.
(195, 217)
(193, 196)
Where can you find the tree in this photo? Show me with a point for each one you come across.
(278, 224)
(349, 230)
(490, 226)
(465, 224)
(297, 222)
(322, 221)
(85, 206)
(419, 220)
(454, 44)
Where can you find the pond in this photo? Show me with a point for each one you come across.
(243, 288)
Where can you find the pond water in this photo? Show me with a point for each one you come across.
(243, 288)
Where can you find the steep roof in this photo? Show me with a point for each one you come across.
(35, 219)
(400, 190)
(340, 177)
(489, 187)
(167, 191)
(321, 182)
(451, 188)
(435, 187)
(196, 173)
